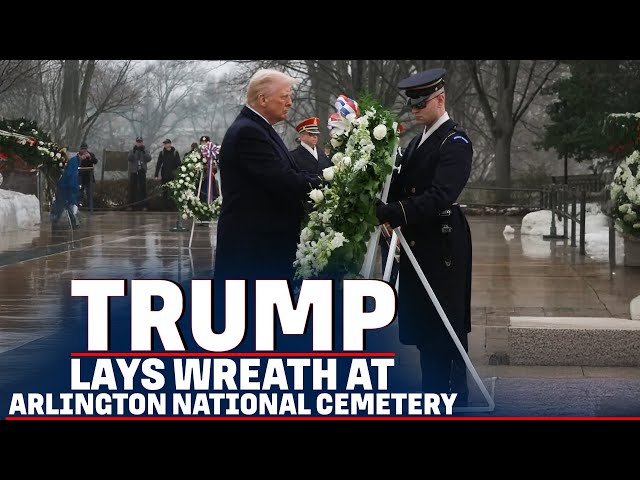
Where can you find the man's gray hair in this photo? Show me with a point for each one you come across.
(264, 81)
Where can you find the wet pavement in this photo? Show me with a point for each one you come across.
(511, 277)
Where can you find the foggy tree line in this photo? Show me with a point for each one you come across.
(508, 107)
(109, 103)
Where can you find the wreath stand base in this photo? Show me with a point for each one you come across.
(178, 227)
(397, 236)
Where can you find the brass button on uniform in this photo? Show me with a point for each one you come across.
(412, 243)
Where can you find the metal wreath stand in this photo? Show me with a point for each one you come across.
(367, 272)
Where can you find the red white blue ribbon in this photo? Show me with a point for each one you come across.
(346, 106)
(210, 152)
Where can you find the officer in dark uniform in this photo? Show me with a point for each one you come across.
(88, 161)
(434, 169)
(309, 158)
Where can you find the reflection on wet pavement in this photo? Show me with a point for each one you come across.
(36, 276)
(508, 279)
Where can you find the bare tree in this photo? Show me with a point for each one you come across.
(164, 105)
(66, 97)
(505, 90)
(24, 97)
(88, 92)
(321, 81)
(14, 72)
(490, 100)
(214, 108)
(114, 89)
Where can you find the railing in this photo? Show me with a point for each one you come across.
(527, 198)
(589, 182)
(557, 198)
(561, 199)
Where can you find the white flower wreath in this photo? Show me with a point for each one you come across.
(334, 239)
(184, 189)
(625, 195)
(623, 132)
(52, 156)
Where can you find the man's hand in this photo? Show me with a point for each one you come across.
(390, 213)
(381, 212)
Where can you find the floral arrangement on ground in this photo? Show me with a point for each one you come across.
(184, 189)
(23, 138)
(624, 130)
(334, 238)
(625, 196)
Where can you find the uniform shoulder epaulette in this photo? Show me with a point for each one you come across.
(457, 135)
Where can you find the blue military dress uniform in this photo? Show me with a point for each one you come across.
(422, 201)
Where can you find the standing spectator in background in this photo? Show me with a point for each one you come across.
(166, 169)
(86, 174)
(138, 159)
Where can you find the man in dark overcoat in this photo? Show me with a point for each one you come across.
(263, 189)
(166, 169)
(86, 174)
(435, 168)
(138, 159)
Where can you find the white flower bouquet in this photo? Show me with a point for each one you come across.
(334, 238)
(22, 138)
(625, 196)
(622, 130)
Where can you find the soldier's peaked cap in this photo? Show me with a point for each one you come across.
(310, 125)
(423, 85)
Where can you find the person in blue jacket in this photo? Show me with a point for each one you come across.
(67, 193)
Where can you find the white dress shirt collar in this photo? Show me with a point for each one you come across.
(257, 113)
(434, 127)
(313, 151)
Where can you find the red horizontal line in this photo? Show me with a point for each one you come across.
(232, 354)
(227, 418)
